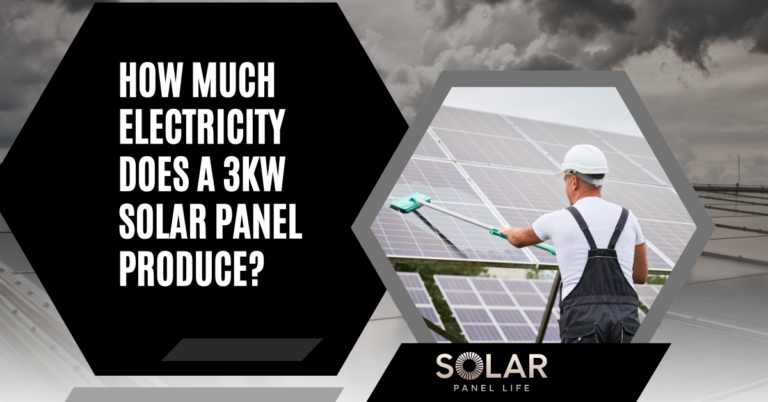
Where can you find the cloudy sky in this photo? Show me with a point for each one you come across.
(700, 66)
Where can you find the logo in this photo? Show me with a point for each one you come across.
(470, 366)
(469, 357)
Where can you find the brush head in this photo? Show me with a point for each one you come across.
(407, 203)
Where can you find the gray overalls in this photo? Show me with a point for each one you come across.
(602, 308)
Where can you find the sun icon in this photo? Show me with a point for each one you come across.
(467, 375)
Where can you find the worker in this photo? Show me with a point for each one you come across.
(600, 253)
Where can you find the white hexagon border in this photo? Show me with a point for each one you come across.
(557, 79)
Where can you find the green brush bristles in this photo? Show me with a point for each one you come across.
(407, 204)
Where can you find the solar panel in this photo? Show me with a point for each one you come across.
(440, 180)
(669, 238)
(500, 170)
(558, 134)
(519, 189)
(469, 121)
(627, 144)
(652, 166)
(425, 233)
(499, 310)
(647, 202)
(415, 286)
(493, 150)
(429, 147)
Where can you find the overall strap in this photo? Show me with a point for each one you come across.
(583, 226)
(619, 228)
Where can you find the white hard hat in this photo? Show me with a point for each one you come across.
(585, 159)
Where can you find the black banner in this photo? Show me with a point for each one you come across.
(524, 372)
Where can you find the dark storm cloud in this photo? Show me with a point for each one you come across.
(585, 18)
(690, 27)
(546, 62)
(632, 28)
(452, 12)
(35, 35)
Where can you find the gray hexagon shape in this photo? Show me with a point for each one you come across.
(553, 79)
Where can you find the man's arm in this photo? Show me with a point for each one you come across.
(640, 266)
(521, 237)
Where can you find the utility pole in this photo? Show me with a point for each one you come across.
(738, 161)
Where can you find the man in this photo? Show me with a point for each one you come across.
(600, 252)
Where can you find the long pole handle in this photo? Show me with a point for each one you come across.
(494, 231)
(454, 214)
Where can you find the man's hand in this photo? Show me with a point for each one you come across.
(521, 237)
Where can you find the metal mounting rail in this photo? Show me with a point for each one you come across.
(548, 309)
(736, 210)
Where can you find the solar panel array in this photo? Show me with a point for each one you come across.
(500, 170)
(509, 310)
(499, 310)
(418, 292)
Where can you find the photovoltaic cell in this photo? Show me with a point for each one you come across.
(519, 286)
(482, 333)
(483, 285)
(519, 189)
(508, 316)
(455, 283)
(535, 131)
(494, 150)
(519, 333)
(462, 298)
(537, 315)
(470, 121)
(497, 299)
(627, 144)
(552, 334)
(559, 134)
(503, 322)
(669, 238)
(440, 180)
(529, 300)
(653, 166)
(419, 296)
(473, 315)
(415, 287)
(654, 259)
(429, 147)
(410, 281)
(647, 202)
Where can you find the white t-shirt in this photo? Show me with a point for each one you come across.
(571, 245)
